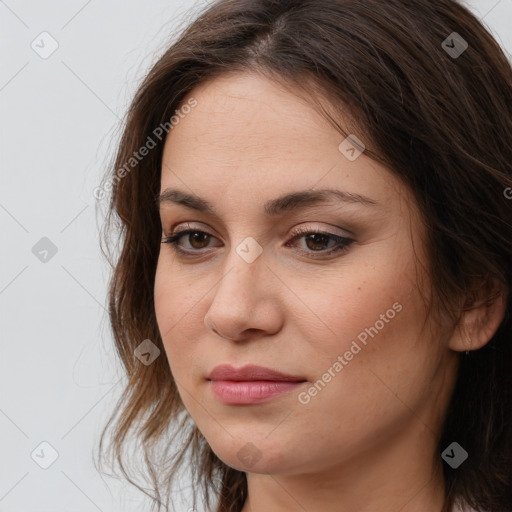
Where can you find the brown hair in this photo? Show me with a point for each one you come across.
(441, 122)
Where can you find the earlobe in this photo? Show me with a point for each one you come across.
(479, 322)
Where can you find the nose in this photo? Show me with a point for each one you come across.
(245, 300)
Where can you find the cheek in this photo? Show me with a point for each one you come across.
(171, 306)
(174, 295)
(366, 362)
(180, 311)
(374, 325)
(382, 347)
(344, 306)
(165, 299)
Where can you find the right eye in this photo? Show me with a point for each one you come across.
(199, 238)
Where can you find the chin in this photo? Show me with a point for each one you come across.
(255, 456)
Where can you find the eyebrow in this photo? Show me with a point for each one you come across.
(289, 202)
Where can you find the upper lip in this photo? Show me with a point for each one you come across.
(250, 373)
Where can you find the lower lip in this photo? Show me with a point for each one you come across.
(250, 392)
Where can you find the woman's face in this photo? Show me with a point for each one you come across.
(250, 288)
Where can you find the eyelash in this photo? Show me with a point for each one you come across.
(342, 242)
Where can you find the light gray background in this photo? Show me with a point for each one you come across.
(58, 124)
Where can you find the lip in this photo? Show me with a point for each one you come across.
(250, 384)
(251, 372)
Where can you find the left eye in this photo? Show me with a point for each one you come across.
(314, 240)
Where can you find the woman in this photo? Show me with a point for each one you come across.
(315, 265)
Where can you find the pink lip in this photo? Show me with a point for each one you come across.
(250, 384)
(250, 372)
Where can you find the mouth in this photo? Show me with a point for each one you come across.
(250, 384)
(250, 392)
(251, 372)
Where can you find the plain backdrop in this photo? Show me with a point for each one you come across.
(59, 116)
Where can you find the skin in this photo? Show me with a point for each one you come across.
(368, 440)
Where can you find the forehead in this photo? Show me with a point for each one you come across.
(245, 113)
(250, 138)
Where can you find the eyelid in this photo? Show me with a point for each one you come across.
(296, 231)
(186, 226)
(321, 229)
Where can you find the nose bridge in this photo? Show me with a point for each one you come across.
(250, 252)
(244, 263)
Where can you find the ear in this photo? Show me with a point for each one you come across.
(482, 313)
